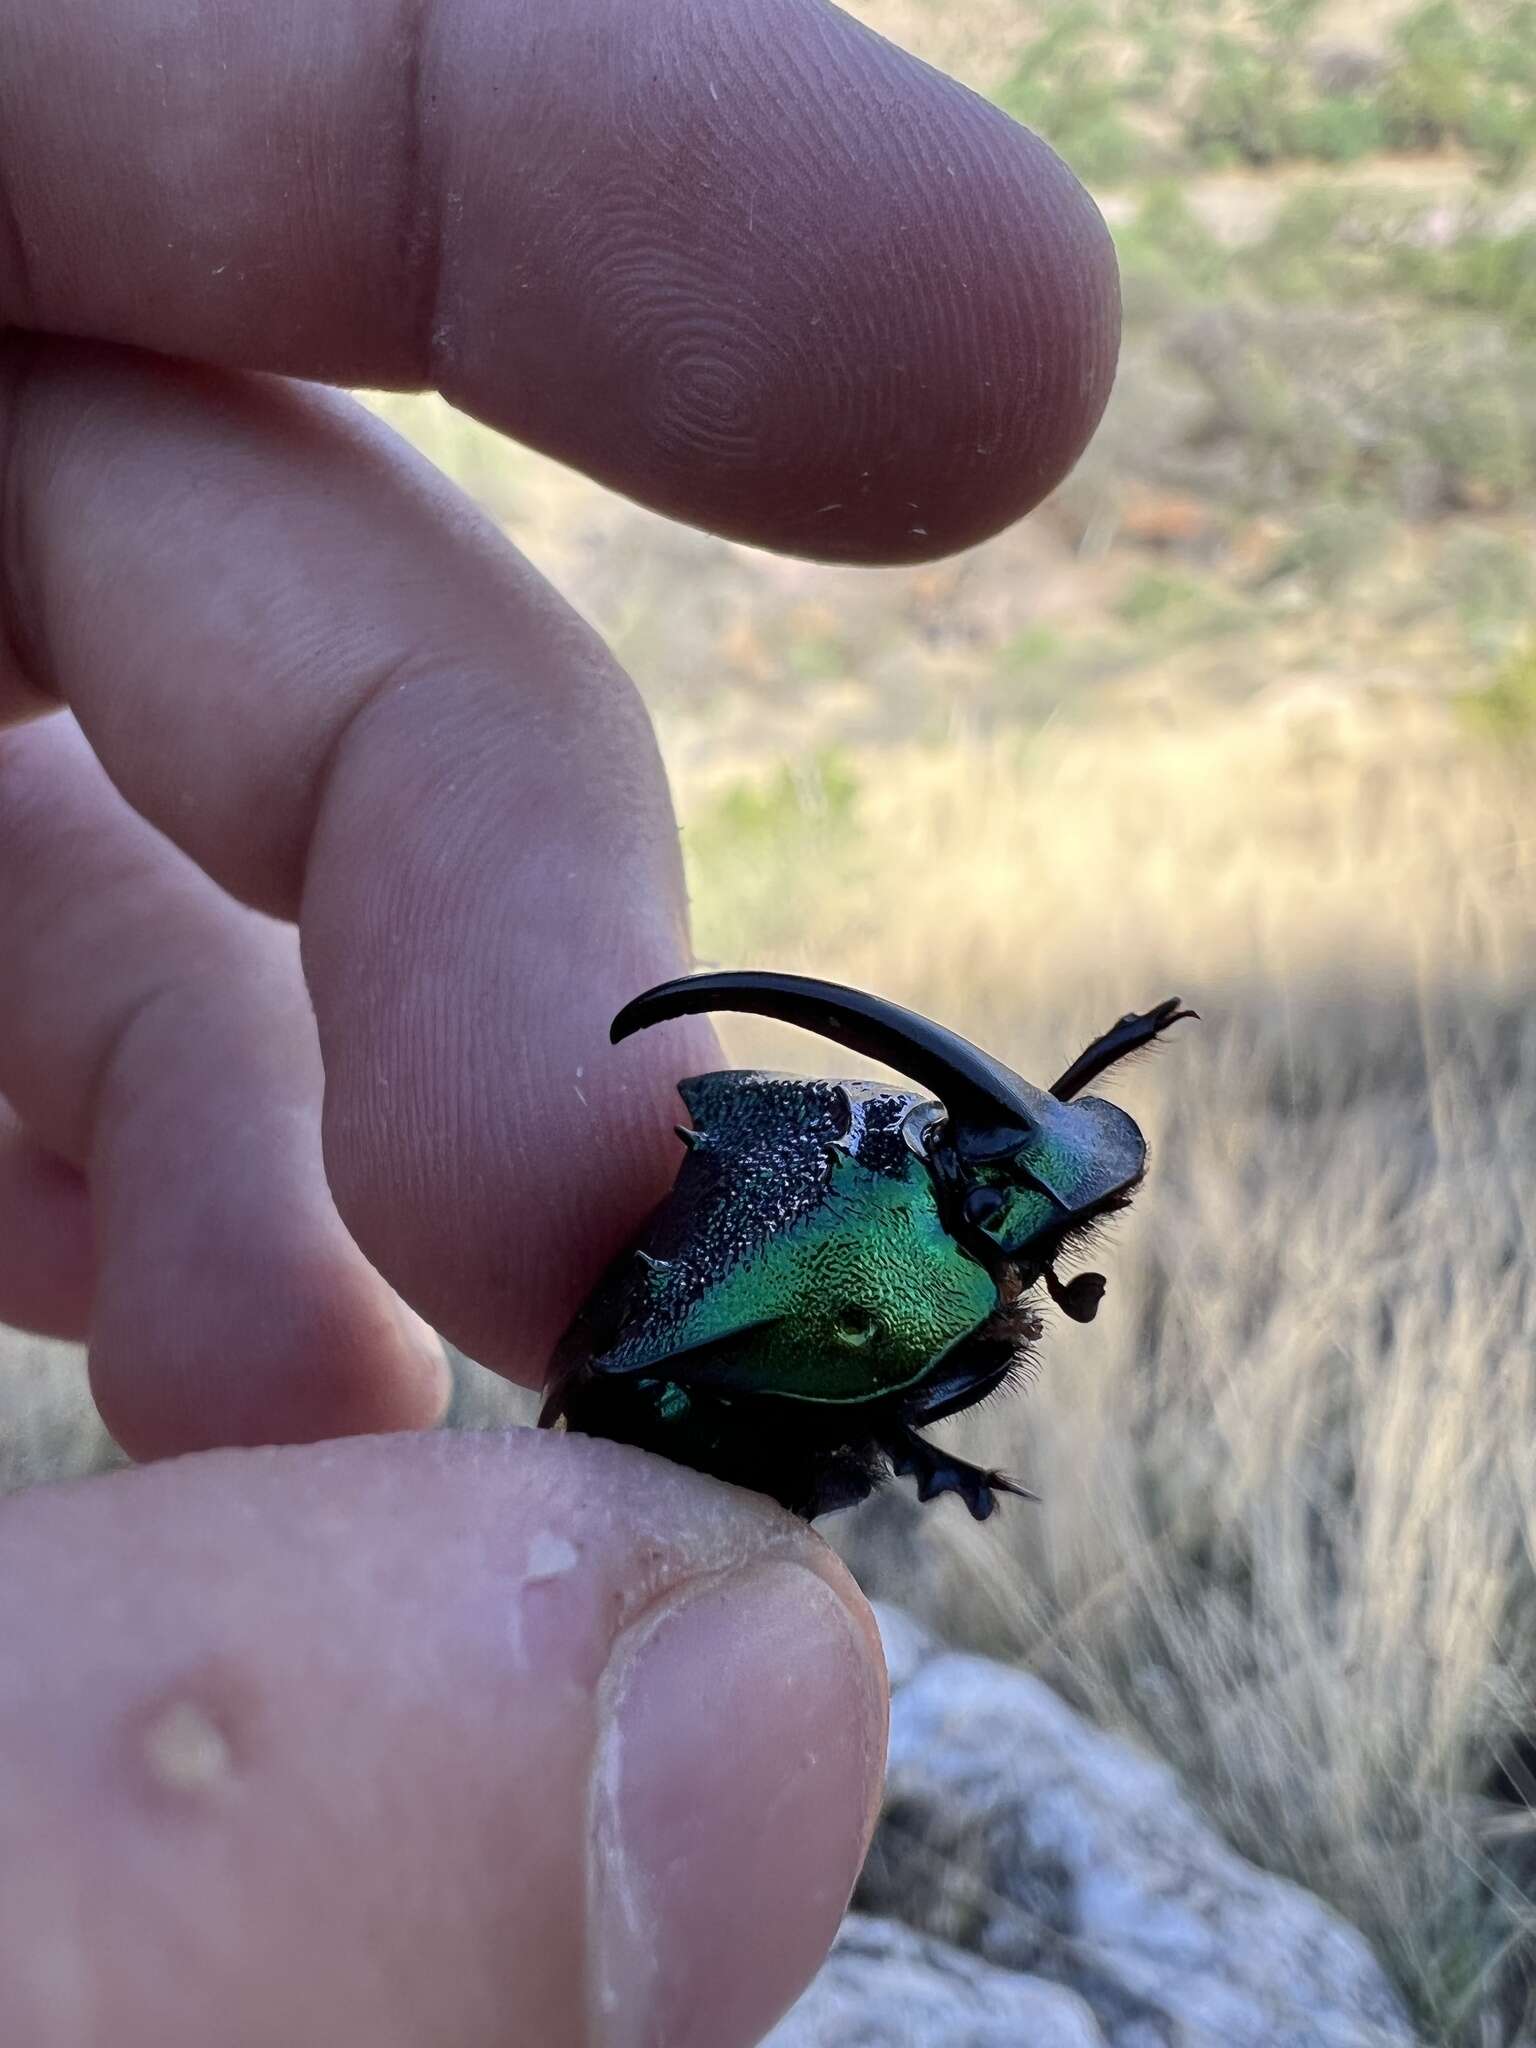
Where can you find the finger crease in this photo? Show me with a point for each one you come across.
(109, 1061)
(16, 294)
(18, 360)
(393, 676)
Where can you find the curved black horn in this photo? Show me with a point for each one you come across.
(974, 1088)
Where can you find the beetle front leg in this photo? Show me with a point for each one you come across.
(939, 1472)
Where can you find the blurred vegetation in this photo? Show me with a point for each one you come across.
(809, 806)
(1505, 709)
(1131, 88)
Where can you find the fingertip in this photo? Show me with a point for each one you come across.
(749, 263)
(489, 1685)
(853, 311)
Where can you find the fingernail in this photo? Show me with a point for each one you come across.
(734, 1786)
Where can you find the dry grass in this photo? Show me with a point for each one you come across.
(1290, 1475)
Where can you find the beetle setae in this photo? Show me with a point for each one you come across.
(841, 1263)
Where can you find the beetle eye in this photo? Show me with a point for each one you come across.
(983, 1206)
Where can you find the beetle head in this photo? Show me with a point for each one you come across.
(1020, 1169)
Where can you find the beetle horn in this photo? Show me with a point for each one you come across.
(975, 1089)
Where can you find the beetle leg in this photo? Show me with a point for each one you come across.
(959, 1390)
(938, 1472)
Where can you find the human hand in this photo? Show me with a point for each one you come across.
(344, 1742)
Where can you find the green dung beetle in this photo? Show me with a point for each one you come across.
(841, 1263)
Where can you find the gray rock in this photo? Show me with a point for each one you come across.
(49, 1428)
(885, 1987)
(1343, 70)
(1024, 1855)
(907, 1644)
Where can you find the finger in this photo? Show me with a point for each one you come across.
(46, 1260)
(299, 654)
(157, 1036)
(491, 1740)
(750, 264)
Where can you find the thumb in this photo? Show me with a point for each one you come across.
(501, 1740)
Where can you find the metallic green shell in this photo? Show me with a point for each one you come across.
(801, 1252)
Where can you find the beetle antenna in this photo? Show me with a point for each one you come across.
(1128, 1036)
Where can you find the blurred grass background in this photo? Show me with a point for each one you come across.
(1247, 712)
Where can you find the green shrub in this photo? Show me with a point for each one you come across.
(1300, 257)
(1426, 97)
(1075, 109)
(1244, 110)
(1484, 439)
(1177, 608)
(1337, 131)
(1163, 46)
(1457, 80)
(1288, 20)
(1509, 48)
(1331, 546)
(1499, 129)
(1491, 581)
(815, 657)
(817, 795)
(1031, 648)
(1154, 597)
(1505, 709)
(1485, 273)
(1063, 86)
(747, 853)
(1168, 244)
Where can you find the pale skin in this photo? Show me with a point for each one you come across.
(329, 842)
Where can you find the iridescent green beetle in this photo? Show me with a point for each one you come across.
(840, 1263)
